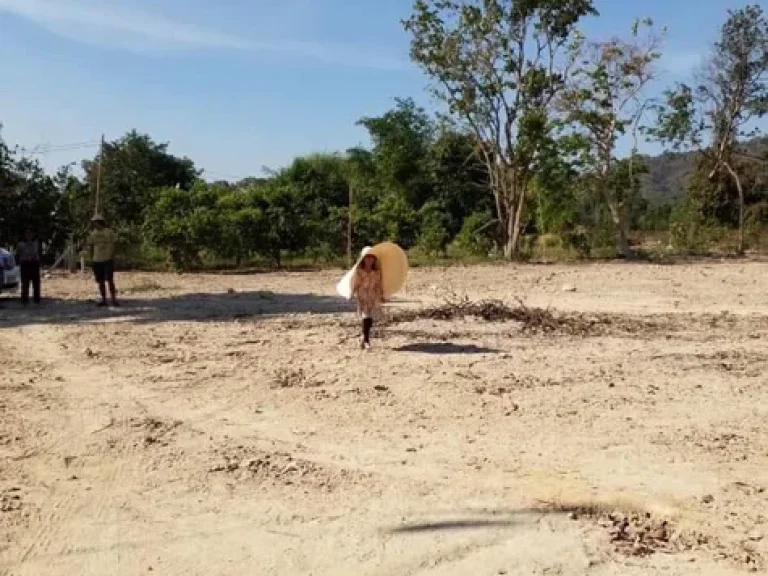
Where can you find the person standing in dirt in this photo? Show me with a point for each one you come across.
(103, 241)
(28, 257)
(2, 281)
(367, 290)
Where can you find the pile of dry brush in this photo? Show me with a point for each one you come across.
(532, 320)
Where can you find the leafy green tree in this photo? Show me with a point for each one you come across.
(625, 183)
(379, 213)
(63, 227)
(498, 66)
(167, 226)
(132, 169)
(458, 177)
(365, 192)
(729, 95)
(182, 222)
(396, 220)
(30, 198)
(7, 177)
(415, 164)
(401, 141)
(555, 187)
(246, 223)
(286, 228)
(320, 185)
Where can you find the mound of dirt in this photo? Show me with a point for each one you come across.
(10, 501)
(155, 431)
(13, 514)
(278, 468)
(294, 378)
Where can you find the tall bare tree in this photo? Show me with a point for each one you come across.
(498, 65)
(729, 94)
(604, 100)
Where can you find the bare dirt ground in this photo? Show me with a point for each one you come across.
(229, 425)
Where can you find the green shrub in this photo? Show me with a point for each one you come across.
(476, 236)
(433, 231)
(690, 232)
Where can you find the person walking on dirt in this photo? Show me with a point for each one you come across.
(28, 256)
(367, 290)
(103, 240)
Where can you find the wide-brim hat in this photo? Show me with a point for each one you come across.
(98, 218)
(393, 263)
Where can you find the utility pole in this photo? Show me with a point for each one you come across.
(98, 175)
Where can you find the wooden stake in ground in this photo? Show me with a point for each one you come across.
(98, 176)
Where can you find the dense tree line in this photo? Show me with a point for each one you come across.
(524, 158)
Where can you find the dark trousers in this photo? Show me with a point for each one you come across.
(104, 274)
(367, 325)
(30, 274)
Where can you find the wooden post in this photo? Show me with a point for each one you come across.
(71, 256)
(98, 176)
(349, 230)
(64, 257)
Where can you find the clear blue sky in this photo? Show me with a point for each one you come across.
(241, 84)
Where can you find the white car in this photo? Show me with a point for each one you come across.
(11, 272)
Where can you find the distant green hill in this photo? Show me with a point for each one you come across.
(668, 172)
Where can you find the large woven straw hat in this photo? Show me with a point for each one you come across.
(393, 263)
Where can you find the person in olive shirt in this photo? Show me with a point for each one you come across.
(103, 240)
(28, 256)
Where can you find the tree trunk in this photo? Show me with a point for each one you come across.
(510, 219)
(622, 240)
(508, 238)
(506, 243)
(741, 216)
(503, 218)
(511, 233)
(740, 189)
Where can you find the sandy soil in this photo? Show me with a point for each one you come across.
(229, 425)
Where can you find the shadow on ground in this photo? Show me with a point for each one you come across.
(182, 308)
(445, 348)
(489, 520)
(450, 525)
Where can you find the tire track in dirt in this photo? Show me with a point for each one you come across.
(457, 451)
(92, 404)
(101, 400)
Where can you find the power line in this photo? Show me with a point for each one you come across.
(47, 148)
(42, 149)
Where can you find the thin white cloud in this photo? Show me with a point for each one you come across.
(117, 25)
